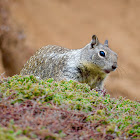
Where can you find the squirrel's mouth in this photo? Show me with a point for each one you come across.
(107, 71)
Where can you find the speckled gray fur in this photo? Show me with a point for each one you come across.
(84, 65)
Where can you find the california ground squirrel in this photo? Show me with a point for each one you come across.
(90, 64)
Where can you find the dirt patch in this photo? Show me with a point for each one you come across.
(13, 49)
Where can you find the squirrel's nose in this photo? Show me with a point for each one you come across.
(114, 66)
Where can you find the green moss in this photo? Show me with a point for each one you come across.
(10, 134)
(116, 114)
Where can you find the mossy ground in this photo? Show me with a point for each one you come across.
(44, 109)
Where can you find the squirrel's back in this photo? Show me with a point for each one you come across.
(90, 64)
(46, 62)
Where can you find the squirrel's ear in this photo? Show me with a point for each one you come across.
(106, 43)
(94, 41)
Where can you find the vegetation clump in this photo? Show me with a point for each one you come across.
(31, 108)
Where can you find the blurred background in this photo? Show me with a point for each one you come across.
(27, 25)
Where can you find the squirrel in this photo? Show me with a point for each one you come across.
(90, 64)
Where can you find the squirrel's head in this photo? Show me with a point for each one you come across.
(101, 55)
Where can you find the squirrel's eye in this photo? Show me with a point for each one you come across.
(102, 53)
